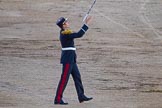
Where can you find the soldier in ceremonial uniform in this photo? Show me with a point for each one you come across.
(68, 60)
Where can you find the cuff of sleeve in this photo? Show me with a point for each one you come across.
(84, 28)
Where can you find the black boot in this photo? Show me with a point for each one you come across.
(60, 103)
(84, 98)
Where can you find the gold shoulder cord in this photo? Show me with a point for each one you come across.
(66, 32)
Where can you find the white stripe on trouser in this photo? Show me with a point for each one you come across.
(68, 48)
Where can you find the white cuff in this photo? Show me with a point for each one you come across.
(83, 30)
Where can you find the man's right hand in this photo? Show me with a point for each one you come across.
(88, 20)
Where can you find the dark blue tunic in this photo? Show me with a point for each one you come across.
(67, 40)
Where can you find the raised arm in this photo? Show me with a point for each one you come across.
(83, 29)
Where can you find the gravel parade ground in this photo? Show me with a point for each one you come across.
(120, 57)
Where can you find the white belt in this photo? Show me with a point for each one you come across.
(68, 48)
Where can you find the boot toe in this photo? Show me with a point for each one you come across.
(85, 99)
(60, 103)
